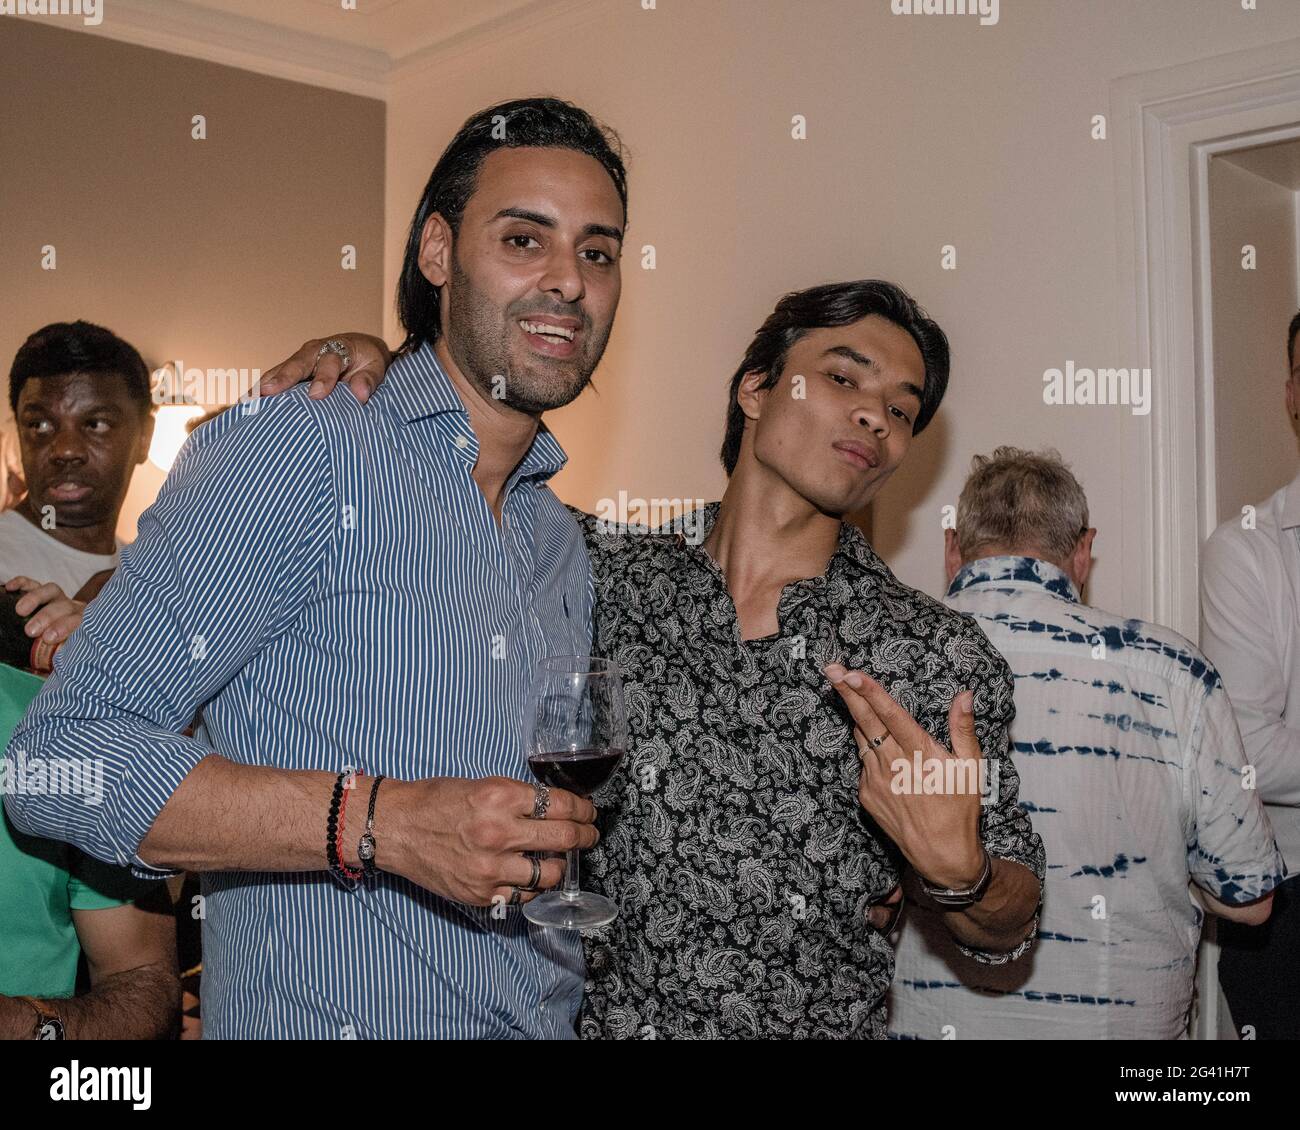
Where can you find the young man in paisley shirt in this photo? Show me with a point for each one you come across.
(782, 686)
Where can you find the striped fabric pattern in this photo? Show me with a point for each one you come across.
(328, 585)
(1131, 768)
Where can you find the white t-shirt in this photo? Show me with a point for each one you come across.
(28, 551)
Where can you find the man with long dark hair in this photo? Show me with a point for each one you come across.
(757, 829)
(354, 597)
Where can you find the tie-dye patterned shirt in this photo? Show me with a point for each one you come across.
(1131, 768)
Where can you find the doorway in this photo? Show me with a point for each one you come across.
(1201, 148)
(1254, 293)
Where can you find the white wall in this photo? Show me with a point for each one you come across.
(1254, 443)
(922, 131)
(220, 253)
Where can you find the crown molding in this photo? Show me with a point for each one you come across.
(186, 29)
(236, 41)
(540, 13)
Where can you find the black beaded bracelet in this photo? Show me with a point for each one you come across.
(336, 866)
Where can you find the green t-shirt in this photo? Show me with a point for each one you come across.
(42, 882)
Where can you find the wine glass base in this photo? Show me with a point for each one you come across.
(585, 911)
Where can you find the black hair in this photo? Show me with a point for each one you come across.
(1292, 330)
(836, 304)
(80, 347)
(522, 123)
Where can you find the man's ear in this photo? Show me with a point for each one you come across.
(1081, 559)
(146, 438)
(951, 554)
(435, 250)
(750, 395)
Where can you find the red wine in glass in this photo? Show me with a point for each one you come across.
(575, 736)
(580, 771)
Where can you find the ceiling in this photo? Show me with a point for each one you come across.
(1279, 162)
(396, 27)
(363, 49)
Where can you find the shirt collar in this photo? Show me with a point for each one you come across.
(544, 457)
(1291, 505)
(1028, 570)
(853, 547)
(419, 389)
(419, 386)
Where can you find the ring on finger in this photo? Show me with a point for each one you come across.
(337, 347)
(532, 883)
(541, 800)
(516, 896)
(876, 743)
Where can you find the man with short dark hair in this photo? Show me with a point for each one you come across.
(81, 398)
(355, 595)
(84, 414)
(1129, 761)
(1250, 627)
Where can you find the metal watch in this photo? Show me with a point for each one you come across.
(956, 899)
(49, 1025)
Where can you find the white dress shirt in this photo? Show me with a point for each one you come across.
(1250, 629)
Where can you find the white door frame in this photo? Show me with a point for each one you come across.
(1166, 125)
(1202, 152)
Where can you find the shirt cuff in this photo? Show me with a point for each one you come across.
(144, 792)
(1264, 878)
(141, 870)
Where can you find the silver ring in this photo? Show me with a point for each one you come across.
(531, 885)
(337, 347)
(876, 743)
(541, 800)
(516, 897)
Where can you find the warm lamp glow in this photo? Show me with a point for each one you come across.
(169, 433)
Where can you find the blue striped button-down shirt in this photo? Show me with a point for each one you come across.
(328, 584)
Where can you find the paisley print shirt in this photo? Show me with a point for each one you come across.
(732, 837)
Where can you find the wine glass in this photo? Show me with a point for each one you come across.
(576, 734)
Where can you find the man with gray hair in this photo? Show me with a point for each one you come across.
(1131, 767)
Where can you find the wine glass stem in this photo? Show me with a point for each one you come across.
(571, 875)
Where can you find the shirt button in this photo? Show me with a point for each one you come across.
(462, 442)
